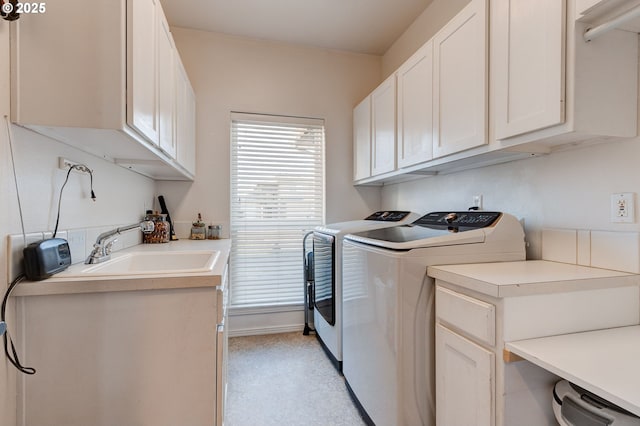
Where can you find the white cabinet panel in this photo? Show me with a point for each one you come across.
(528, 65)
(383, 119)
(166, 88)
(471, 316)
(415, 117)
(362, 139)
(185, 120)
(142, 84)
(460, 81)
(464, 381)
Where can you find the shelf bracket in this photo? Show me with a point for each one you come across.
(591, 33)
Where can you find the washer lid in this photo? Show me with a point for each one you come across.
(407, 238)
(432, 230)
(394, 219)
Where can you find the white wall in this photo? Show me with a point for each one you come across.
(570, 189)
(236, 74)
(425, 26)
(122, 197)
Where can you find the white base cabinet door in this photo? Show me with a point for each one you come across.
(464, 381)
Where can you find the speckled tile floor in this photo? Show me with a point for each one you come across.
(285, 380)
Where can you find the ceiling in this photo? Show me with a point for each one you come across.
(363, 26)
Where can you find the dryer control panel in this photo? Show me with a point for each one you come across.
(464, 219)
(388, 216)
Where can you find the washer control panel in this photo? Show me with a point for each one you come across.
(388, 216)
(465, 219)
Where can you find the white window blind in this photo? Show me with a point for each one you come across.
(277, 195)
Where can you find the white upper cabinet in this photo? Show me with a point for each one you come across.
(460, 81)
(142, 78)
(528, 66)
(110, 86)
(550, 86)
(383, 127)
(166, 88)
(185, 120)
(415, 118)
(362, 140)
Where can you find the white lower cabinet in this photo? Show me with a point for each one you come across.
(145, 357)
(477, 381)
(464, 378)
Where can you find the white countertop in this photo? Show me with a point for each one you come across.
(605, 362)
(64, 284)
(508, 279)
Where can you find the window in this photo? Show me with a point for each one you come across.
(277, 196)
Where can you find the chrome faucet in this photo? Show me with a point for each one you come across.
(102, 249)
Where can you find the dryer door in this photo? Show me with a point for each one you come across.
(324, 274)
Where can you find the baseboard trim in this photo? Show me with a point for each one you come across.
(266, 330)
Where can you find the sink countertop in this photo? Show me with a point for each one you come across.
(61, 284)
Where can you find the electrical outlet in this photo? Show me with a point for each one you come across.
(64, 164)
(623, 207)
(477, 201)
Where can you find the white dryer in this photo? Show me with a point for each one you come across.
(388, 328)
(327, 267)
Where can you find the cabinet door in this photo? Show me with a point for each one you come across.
(460, 81)
(383, 123)
(362, 139)
(465, 380)
(415, 103)
(166, 87)
(185, 120)
(142, 87)
(528, 72)
(221, 373)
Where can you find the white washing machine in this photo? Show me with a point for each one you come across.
(327, 253)
(388, 328)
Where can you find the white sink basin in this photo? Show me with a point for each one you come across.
(149, 263)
